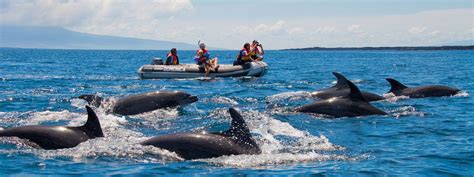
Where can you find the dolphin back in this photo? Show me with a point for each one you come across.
(58, 137)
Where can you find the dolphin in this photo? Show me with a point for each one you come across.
(145, 102)
(352, 105)
(341, 89)
(58, 137)
(236, 140)
(398, 89)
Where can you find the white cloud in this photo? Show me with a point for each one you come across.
(97, 16)
(278, 28)
(179, 20)
(417, 30)
(435, 32)
(354, 29)
(325, 29)
(295, 30)
(70, 12)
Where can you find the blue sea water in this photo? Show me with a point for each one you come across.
(427, 137)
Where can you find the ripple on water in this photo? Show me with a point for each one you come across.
(301, 147)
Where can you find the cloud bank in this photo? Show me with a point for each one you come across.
(181, 21)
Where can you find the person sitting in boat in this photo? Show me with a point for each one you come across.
(172, 57)
(203, 59)
(245, 55)
(257, 53)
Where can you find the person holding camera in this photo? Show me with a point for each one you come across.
(249, 53)
(257, 52)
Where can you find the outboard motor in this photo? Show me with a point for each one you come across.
(157, 61)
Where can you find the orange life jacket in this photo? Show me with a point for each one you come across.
(242, 57)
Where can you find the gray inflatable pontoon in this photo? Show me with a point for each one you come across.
(255, 69)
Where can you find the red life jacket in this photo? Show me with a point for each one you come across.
(204, 53)
(175, 58)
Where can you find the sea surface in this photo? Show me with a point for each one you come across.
(427, 137)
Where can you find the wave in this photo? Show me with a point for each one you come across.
(461, 94)
(407, 111)
(222, 100)
(158, 115)
(280, 143)
(290, 96)
(355, 81)
(119, 142)
(257, 161)
(390, 97)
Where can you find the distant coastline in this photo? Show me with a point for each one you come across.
(468, 47)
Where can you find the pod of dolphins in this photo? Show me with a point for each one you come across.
(344, 99)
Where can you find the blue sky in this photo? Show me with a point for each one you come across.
(276, 23)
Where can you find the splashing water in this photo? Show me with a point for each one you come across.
(41, 86)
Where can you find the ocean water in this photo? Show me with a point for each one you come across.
(431, 136)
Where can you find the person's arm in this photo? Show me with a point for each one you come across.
(177, 60)
(253, 48)
(263, 52)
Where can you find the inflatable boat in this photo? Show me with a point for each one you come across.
(160, 71)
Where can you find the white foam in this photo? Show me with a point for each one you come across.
(407, 111)
(158, 114)
(289, 96)
(266, 129)
(251, 100)
(261, 160)
(461, 94)
(224, 100)
(355, 81)
(119, 142)
(390, 97)
(78, 103)
(50, 116)
(280, 142)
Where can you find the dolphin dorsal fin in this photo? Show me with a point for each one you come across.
(355, 92)
(341, 80)
(396, 86)
(92, 126)
(238, 127)
(239, 131)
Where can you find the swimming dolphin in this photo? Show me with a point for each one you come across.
(352, 105)
(58, 137)
(200, 145)
(145, 102)
(398, 89)
(341, 89)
